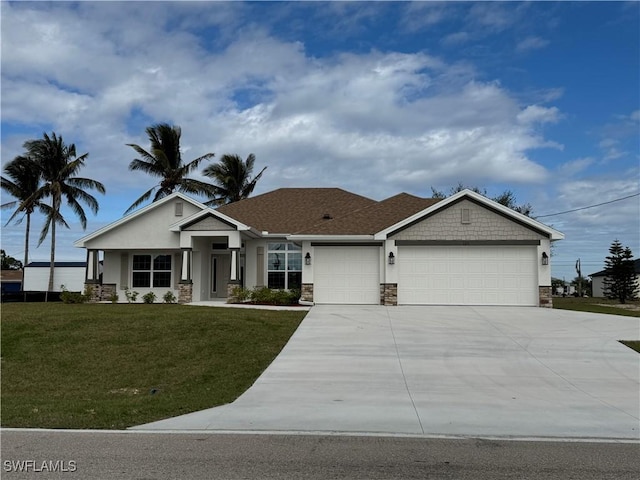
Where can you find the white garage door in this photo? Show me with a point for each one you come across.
(467, 275)
(347, 275)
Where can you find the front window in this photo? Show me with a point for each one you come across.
(284, 266)
(151, 270)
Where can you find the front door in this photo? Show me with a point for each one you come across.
(220, 274)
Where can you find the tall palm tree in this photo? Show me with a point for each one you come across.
(21, 182)
(57, 164)
(164, 160)
(232, 178)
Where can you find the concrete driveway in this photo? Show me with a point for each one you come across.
(472, 371)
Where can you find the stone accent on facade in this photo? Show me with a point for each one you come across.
(306, 294)
(230, 287)
(99, 293)
(483, 224)
(185, 292)
(546, 297)
(389, 294)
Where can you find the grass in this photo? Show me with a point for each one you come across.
(596, 305)
(114, 366)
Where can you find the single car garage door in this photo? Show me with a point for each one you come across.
(467, 275)
(347, 275)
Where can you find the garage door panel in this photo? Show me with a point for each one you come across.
(347, 275)
(468, 275)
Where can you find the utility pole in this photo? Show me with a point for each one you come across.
(579, 271)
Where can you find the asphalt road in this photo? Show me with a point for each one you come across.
(119, 455)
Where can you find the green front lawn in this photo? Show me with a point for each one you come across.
(597, 305)
(114, 366)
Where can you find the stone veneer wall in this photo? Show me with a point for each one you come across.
(389, 294)
(100, 293)
(545, 296)
(185, 292)
(306, 294)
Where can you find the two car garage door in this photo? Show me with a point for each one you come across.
(467, 275)
(433, 275)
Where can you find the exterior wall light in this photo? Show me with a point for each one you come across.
(545, 258)
(392, 258)
(307, 259)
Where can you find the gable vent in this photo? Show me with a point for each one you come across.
(466, 216)
(178, 209)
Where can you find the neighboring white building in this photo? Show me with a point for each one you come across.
(597, 280)
(333, 245)
(70, 274)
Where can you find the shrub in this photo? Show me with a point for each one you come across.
(239, 295)
(261, 295)
(131, 295)
(149, 297)
(71, 297)
(169, 297)
(113, 298)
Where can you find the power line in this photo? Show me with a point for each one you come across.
(590, 206)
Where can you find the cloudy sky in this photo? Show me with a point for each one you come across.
(377, 98)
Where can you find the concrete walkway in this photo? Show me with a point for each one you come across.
(472, 371)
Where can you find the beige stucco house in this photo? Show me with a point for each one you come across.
(335, 246)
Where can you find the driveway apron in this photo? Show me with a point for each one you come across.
(436, 370)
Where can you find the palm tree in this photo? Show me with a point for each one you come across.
(57, 164)
(232, 177)
(164, 160)
(22, 181)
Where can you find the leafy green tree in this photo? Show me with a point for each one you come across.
(620, 281)
(57, 164)
(21, 182)
(164, 161)
(506, 198)
(232, 178)
(9, 263)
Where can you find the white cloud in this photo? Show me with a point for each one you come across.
(536, 114)
(531, 43)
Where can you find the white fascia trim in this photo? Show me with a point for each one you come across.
(80, 243)
(331, 238)
(553, 233)
(176, 227)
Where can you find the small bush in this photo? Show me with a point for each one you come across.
(239, 295)
(113, 298)
(149, 297)
(131, 295)
(71, 297)
(261, 295)
(169, 297)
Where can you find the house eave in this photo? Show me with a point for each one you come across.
(330, 238)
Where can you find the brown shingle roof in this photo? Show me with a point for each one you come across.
(288, 210)
(303, 211)
(373, 218)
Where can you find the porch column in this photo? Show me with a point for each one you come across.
(185, 272)
(93, 273)
(234, 266)
(185, 287)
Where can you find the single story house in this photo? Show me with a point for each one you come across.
(70, 274)
(335, 246)
(11, 281)
(597, 280)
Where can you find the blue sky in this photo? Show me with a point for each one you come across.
(377, 98)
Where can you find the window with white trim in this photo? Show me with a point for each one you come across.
(148, 270)
(284, 266)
